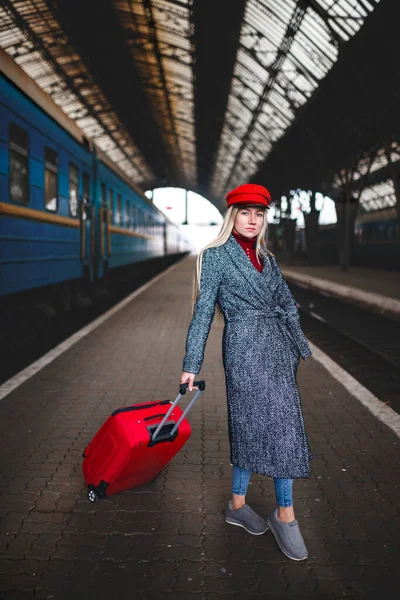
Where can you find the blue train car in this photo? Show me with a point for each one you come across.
(376, 240)
(68, 216)
(39, 226)
(131, 228)
(377, 235)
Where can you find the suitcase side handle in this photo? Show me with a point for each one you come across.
(201, 385)
(154, 417)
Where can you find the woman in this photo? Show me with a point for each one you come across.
(262, 343)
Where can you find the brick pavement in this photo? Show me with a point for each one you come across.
(169, 539)
(386, 283)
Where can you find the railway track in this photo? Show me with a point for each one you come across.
(365, 344)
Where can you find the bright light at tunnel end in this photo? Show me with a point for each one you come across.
(204, 219)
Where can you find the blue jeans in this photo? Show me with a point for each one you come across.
(283, 487)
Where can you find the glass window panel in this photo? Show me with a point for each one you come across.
(118, 210)
(277, 10)
(252, 32)
(248, 78)
(311, 62)
(86, 187)
(300, 81)
(126, 212)
(319, 36)
(19, 164)
(172, 39)
(343, 34)
(50, 179)
(103, 194)
(324, 53)
(302, 69)
(73, 184)
(253, 66)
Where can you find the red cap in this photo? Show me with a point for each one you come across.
(249, 193)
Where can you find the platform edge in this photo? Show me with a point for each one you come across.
(385, 305)
(381, 411)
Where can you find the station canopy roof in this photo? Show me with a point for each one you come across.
(194, 93)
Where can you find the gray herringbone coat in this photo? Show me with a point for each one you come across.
(262, 343)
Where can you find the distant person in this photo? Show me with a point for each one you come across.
(262, 344)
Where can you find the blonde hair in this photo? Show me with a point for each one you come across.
(222, 238)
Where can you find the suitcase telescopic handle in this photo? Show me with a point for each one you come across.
(184, 386)
(182, 390)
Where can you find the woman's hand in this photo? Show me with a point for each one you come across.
(188, 378)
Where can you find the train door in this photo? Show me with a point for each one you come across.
(87, 218)
(104, 224)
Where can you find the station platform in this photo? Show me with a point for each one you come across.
(169, 540)
(371, 289)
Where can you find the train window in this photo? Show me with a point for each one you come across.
(126, 213)
(86, 187)
(73, 180)
(118, 210)
(133, 221)
(103, 194)
(19, 164)
(50, 179)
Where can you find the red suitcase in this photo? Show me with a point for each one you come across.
(134, 444)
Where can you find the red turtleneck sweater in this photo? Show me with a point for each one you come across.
(249, 246)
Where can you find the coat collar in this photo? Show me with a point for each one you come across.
(263, 282)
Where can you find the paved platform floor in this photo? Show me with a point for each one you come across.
(371, 289)
(169, 539)
(376, 281)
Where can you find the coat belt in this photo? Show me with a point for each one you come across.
(278, 313)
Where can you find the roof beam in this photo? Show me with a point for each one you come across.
(45, 46)
(282, 51)
(95, 31)
(216, 33)
(148, 11)
(366, 116)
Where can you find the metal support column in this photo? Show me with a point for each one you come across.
(185, 222)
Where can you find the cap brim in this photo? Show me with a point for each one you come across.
(251, 205)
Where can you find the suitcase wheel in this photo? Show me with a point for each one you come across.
(92, 494)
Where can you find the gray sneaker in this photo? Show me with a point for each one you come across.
(288, 536)
(247, 518)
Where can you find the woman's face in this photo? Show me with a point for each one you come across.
(249, 221)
